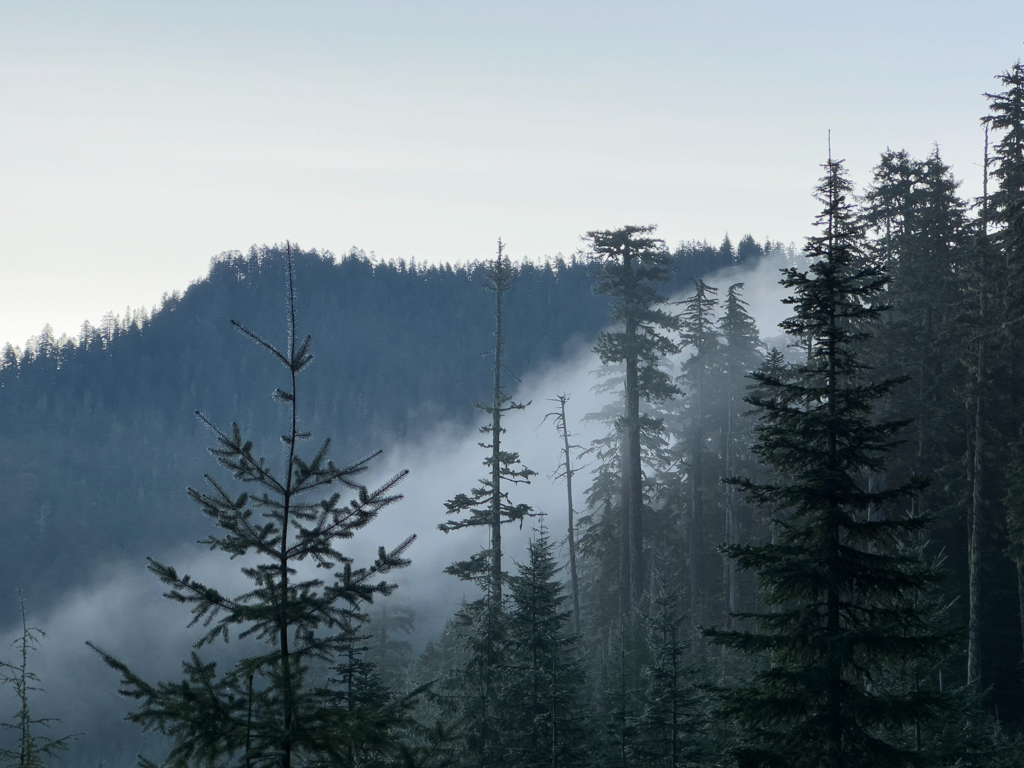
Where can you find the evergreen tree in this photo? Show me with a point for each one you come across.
(390, 648)
(620, 698)
(1005, 209)
(1006, 203)
(567, 471)
(842, 596)
(480, 625)
(265, 709)
(698, 332)
(630, 264)
(670, 730)
(488, 505)
(543, 686)
(749, 250)
(741, 356)
(31, 747)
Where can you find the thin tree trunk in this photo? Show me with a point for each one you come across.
(731, 524)
(499, 344)
(696, 529)
(625, 592)
(636, 505)
(286, 669)
(1020, 601)
(977, 464)
(632, 474)
(974, 555)
(696, 478)
(974, 551)
(564, 428)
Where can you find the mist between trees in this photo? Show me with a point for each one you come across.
(796, 521)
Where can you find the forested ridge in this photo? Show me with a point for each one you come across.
(401, 347)
(809, 554)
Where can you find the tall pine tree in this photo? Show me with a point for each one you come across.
(630, 264)
(480, 625)
(266, 709)
(545, 712)
(842, 596)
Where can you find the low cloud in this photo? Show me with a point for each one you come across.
(122, 610)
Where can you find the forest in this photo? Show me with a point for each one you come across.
(795, 547)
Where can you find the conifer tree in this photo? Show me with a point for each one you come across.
(1006, 203)
(600, 540)
(1005, 211)
(620, 702)
(842, 596)
(698, 332)
(480, 625)
(390, 648)
(265, 710)
(919, 226)
(566, 471)
(630, 265)
(669, 731)
(488, 504)
(545, 713)
(741, 356)
(32, 746)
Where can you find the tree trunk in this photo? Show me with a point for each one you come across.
(499, 343)
(974, 546)
(572, 525)
(625, 592)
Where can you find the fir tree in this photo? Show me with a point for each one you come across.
(480, 625)
(1005, 209)
(543, 686)
(566, 471)
(488, 504)
(670, 729)
(741, 356)
(265, 709)
(698, 333)
(630, 265)
(32, 746)
(390, 648)
(842, 596)
(1006, 203)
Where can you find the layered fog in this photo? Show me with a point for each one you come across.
(120, 607)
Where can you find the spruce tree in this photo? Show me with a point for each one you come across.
(566, 472)
(630, 264)
(671, 728)
(543, 686)
(31, 746)
(474, 693)
(489, 504)
(1005, 209)
(698, 333)
(266, 709)
(740, 357)
(841, 598)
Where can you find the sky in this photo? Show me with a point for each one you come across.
(140, 139)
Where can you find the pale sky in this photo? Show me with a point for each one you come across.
(139, 139)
